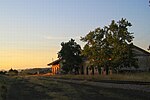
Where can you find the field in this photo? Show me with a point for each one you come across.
(46, 88)
(3, 88)
(143, 77)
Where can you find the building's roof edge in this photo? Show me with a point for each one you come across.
(146, 52)
(54, 62)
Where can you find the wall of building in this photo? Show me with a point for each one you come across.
(55, 69)
(143, 60)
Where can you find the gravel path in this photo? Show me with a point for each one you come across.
(145, 88)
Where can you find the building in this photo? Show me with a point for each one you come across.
(143, 58)
(55, 66)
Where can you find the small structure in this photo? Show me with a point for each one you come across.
(55, 66)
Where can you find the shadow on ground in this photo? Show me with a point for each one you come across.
(24, 90)
(45, 88)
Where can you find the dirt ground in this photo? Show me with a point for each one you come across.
(44, 88)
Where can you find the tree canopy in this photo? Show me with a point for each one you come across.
(70, 54)
(13, 72)
(110, 46)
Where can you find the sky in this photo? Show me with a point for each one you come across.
(31, 31)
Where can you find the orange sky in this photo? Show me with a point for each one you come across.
(21, 59)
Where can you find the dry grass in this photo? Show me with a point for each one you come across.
(144, 76)
(45, 88)
(3, 88)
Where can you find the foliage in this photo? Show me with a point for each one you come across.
(3, 72)
(110, 46)
(12, 72)
(70, 54)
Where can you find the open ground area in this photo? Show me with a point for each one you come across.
(46, 88)
(74, 50)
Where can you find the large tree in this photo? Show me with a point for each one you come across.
(70, 54)
(110, 46)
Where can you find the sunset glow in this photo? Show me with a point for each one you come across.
(31, 31)
(25, 59)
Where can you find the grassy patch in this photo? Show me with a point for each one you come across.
(145, 77)
(45, 88)
(67, 91)
(3, 88)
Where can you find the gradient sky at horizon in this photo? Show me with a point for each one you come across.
(31, 31)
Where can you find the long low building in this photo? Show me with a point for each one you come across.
(142, 56)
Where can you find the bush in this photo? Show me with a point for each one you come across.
(12, 72)
(3, 72)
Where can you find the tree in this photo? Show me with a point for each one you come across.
(13, 72)
(110, 46)
(3, 72)
(70, 54)
(148, 48)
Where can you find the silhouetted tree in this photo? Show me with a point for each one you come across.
(3, 72)
(70, 54)
(13, 72)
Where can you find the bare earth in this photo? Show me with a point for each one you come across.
(45, 88)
